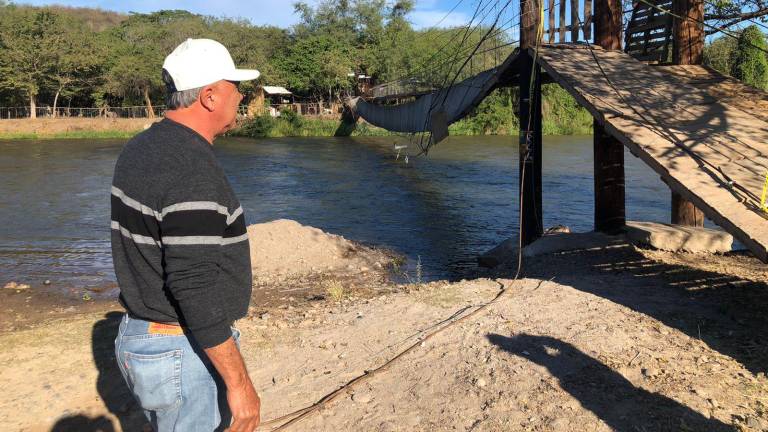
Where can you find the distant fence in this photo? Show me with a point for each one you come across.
(307, 109)
(67, 112)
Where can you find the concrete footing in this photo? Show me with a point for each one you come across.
(679, 238)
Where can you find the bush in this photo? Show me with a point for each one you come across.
(750, 64)
(257, 127)
(292, 118)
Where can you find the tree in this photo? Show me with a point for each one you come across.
(77, 60)
(30, 40)
(750, 64)
(251, 47)
(315, 65)
(140, 45)
(719, 54)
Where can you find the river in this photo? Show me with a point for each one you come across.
(441, 210)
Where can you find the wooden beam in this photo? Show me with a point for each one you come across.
(574, 20)
(530, 126)
(688, 34)
(610, 214)
(551, 12)
(687, 49)
(562, 21)
(685, 213)
(608, 25)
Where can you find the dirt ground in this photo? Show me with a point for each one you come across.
(606, 339)
(51, 126)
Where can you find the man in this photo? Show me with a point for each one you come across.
(181, 255)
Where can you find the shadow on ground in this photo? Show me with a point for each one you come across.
(607, 394)
(726, 312)
(110, 385)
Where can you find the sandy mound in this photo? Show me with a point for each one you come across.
(285, 247)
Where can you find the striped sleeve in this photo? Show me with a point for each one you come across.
(193, 234)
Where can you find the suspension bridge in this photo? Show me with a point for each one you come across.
(703, 133)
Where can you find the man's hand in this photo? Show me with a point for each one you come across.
(245, 405)
(244, 402)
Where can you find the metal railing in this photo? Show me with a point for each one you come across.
(307, 109)
(68, 112)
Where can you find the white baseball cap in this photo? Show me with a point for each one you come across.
(199, 62)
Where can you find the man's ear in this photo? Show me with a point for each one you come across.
(207, 98)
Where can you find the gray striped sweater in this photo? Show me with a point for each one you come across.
(179, 240)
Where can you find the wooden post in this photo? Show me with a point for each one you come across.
(688, 34)
(609, 152)
(256, 105)
(530, 126)
(561, 32)
(687, 49)
(551, 32)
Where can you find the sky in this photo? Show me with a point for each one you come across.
(267, 12)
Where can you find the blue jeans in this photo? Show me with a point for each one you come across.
(172, 379)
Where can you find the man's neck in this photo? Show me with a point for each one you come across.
(190, 120)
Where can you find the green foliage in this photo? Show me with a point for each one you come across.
(494, 116)
(562, 115)
(750, 64)
(719, 54)
(257, 127)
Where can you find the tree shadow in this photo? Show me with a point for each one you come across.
(607, 394)
(726, 312)
(117, 398)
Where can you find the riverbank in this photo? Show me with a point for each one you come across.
(611, 338)
(70, 127)
(259, 127)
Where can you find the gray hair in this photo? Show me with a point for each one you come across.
(181, 99)
(175, 99)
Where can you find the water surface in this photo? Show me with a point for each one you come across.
(442, 210)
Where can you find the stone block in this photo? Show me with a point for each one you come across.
(679, 238)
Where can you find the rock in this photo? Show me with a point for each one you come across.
(713, 402)
(361, 397)
(755, 423)
(264, 316)
(650, 372)
(500, 254)
(47, 282)
(480, 382)
(677, 238)
(560, 424)
(280, 324)
(703, 394)
(377, 265)
(11, 285)
(557, 229)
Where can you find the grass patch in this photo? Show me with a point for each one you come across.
(334, 289)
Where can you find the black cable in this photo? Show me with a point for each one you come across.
(433, 102)
(428, 68)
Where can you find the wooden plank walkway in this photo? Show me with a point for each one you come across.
(709, 147)
(726, 89)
